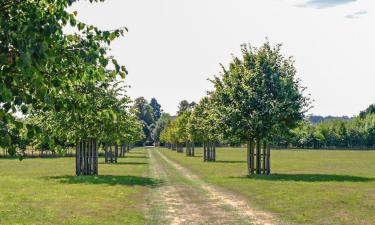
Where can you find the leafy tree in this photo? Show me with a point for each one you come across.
(169, 135)
(204, 126)
(259, 97)
(369, 110)
(160, 125)
(145, 114)
(143, 110)
(41, 67)
(157, 111)
(184, 105)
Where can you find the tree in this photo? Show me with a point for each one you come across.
(204, 126)
(42, 68)
(145, 113)
(369, 110)
(160, 125)
(157, 111)
(184, 105)
(169, 136)
(259, 97)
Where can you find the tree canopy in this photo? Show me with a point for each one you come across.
(67, 79)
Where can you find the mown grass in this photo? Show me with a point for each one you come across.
(306, 187)
(46, 191)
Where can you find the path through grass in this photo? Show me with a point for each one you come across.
(185, 198)
(307, 187)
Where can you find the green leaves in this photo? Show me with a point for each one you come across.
(81, 26)
(61, 78)
(258, 94)
(5, 94)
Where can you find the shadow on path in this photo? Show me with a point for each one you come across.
(109, 179)
(309, 178)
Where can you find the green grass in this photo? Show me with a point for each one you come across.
(46, 191)
(307, 187)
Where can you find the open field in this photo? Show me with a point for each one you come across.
(46, 191)
(160, 186)
(307, 187)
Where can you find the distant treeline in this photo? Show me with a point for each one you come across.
(333, 132)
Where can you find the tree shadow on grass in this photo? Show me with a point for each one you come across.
(309, 178)
(196, 156)
(136, 156)
(109, 179)
(125, 163)
(229, 161)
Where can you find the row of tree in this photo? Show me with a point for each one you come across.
(256, 98)
(354, 133)
(153, 119)
(59, 89)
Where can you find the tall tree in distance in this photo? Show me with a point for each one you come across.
(370, 110)
(157, 111)
(143, 110)
(184, 106)
(152, 117)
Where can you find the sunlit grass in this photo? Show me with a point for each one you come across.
(314, 187)
(46, 191)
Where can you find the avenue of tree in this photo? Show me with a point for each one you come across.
(62, 91)
(256, 98)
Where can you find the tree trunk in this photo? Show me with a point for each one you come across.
(204, 151)
(214, 152)
(264, 157)
(106, 153)
(252, 161)
(268, 160)
(96, 157)
(248, 157)
(116, 152)
(86, 157)
(110, 153)
(78, 158)
(258, 156)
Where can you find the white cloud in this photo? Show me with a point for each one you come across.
(357, 14)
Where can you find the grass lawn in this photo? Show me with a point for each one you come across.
(46, 191)
(307, 187)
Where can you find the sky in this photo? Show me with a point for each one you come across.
(174, 46)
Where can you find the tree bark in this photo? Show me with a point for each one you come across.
(116, 152)
(268, 159)
(264, 157)
(204, 151)
(78, 158)
(248, 157)
(258, 159)
(106, 152)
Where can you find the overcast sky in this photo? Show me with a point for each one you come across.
(173, 46)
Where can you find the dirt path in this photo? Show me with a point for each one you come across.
(184, 198)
